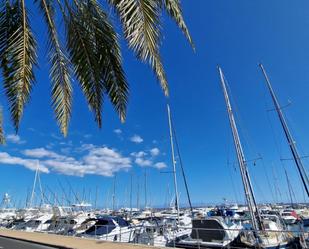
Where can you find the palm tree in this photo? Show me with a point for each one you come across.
(91, 53)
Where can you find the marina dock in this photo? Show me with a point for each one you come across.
(68, 242)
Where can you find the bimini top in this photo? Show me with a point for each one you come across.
(106, 224)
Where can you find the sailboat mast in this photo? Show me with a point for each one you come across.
(291, 141)
(34, 184)
(131, 190)
(137, 194)
(145, 186)
(256, 221)
(173, 159)
(182, 171)
(289, 187)
(114, 195)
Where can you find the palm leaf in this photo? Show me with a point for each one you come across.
(173, 8)
(141, 24)
(95, 54)
(108, 51)
(8, 25)
(20, 58)
(59, 72)
(82, 51)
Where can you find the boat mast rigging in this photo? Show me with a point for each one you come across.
(291, 141)
(255, 217)
(182, 169)
(173, 160)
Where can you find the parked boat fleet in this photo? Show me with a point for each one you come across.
(207, 227)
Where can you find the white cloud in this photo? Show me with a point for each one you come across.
(92, 160)
(96, 161)
(40, 153)
(31, 164)
(139, 154)
(143, 162)
(85, 147)
(15, 139)
(66, 150)
(118, 131)
(160, 165)
(154, 151)
(136, 139)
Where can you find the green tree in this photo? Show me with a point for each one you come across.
(91, 52)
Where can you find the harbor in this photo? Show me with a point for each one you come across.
(211, 227)
(153, 124)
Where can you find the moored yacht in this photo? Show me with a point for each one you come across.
(111, 228)
(272, 235)
(210, 232)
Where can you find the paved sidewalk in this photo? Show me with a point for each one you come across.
(68, 242)
(6, 243)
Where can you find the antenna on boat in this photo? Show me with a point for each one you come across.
(250, 199)
(96, 197)
(291, 141)
(145, 187)
(114, 194)
(173, 160)
(131, 190)
(137, 193)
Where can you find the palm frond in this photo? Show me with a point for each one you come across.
(59, 72)
(8, 26)
(108, 50)
(20, 59)
(95, 54)
(173, 8)
(141, 24)
(82, 51)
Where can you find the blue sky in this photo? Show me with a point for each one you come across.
(235, 34)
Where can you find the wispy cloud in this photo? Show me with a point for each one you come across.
(53, 135)
(85, 147)
(143, 162)
(142, 159)
(87, 159)
(136, 139)
(15, 139)
(31, 164)
(118, 131)
(139, 154)
(87, 136)
(160, 165)
(66, 150)
(40, 153)
(154, 151)
(103, 161)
